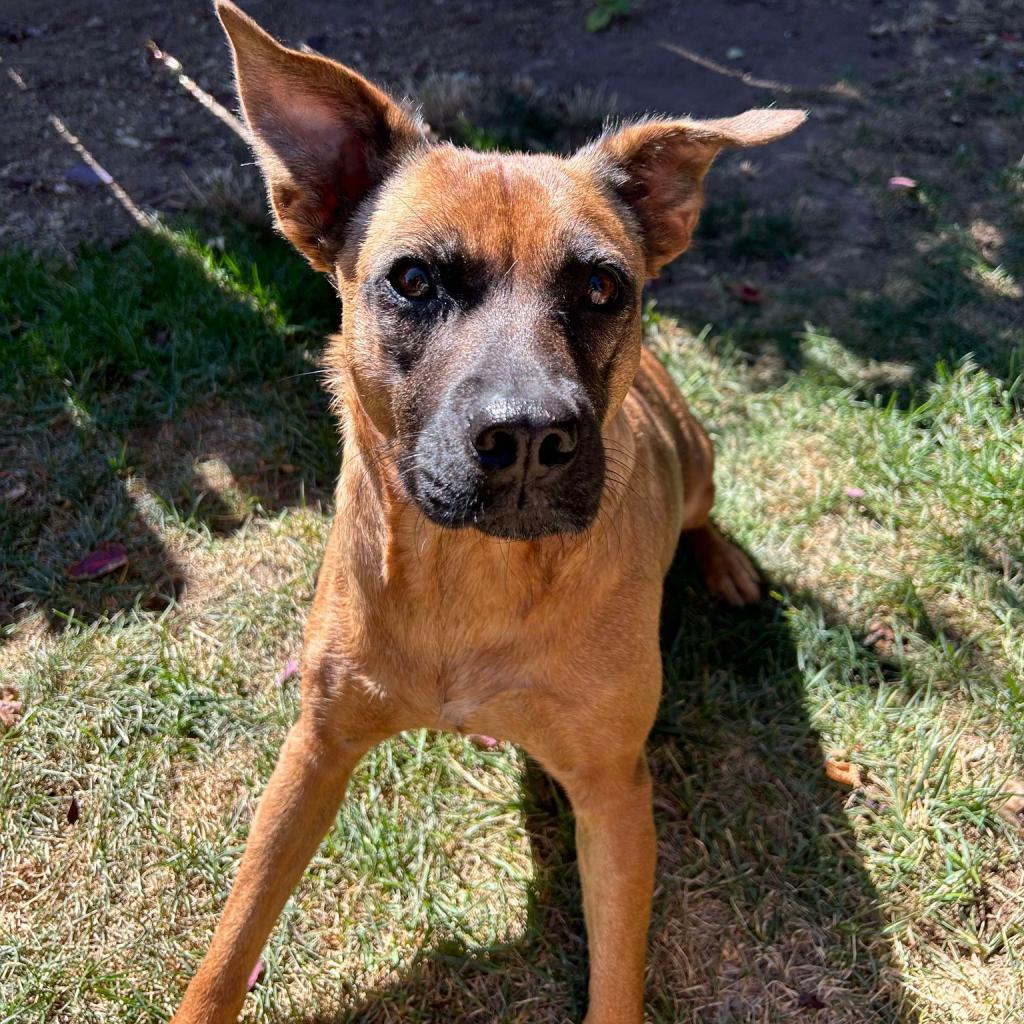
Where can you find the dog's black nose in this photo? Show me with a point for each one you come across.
(528, 447)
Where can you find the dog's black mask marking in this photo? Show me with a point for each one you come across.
(504, 388)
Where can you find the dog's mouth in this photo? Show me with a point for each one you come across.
(453, 495)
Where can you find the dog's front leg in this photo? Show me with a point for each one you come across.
(296, 810)
(615, 844)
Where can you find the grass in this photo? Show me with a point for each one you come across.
(164, 396)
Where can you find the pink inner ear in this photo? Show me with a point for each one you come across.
(353, 180)
(319, 141)
(346, 178)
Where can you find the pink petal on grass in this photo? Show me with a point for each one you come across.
(291, 668)
(254, 976)
(106, 558)
(483, 742)
(853, 492)
(900, 183)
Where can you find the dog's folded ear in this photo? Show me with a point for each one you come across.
(324, 136)
(657, 168)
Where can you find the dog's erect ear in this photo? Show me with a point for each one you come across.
(657, 167)
(324, 136)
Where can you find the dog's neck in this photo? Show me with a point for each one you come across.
(387, 532)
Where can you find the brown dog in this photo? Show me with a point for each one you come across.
(517, 472)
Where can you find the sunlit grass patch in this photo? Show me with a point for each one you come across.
(885, 509)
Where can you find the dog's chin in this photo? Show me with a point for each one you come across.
(540, 518)
(529, 524)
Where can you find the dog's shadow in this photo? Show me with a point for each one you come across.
(763, 909)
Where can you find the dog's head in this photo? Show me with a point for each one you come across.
(491, 302)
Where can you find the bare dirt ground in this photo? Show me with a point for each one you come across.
(86, 63)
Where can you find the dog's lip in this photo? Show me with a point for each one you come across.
(512, 524)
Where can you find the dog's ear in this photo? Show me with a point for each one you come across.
(657, 168)
(324, 136)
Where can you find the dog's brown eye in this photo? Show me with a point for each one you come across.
(411, 281)
(602, 288)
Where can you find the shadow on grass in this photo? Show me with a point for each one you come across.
(170, 382)
(931, 276)
(763, 908)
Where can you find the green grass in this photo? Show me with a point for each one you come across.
(448, 887)
(870, 457)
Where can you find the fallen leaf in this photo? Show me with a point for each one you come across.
(105, 559)
(1012, 808)
(880, 636)
(899, 183)
(810, 1001)
(10, 712)
(254, 975)
(73, 812)
(291, 668)
(86, 176)
(746, 292)
(842, 772)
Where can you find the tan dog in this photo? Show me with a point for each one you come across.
(517, 473)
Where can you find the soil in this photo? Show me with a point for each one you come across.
(85, 62)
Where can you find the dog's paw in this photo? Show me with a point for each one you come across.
(727, 572)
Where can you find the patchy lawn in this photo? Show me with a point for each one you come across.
(834, 768)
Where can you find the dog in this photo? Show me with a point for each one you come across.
(518, 470)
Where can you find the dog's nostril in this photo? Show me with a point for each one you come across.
(558, 446)
(497, 449)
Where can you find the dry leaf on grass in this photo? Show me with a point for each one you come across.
(11, 707)
(880, 636)
(843, 772)
(747, 293)
(105, 559)
(1012, 808)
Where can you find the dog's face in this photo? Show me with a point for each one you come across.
(491, 303)
(492, 324)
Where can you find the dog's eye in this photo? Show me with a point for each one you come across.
(602, 289)
(411, 280)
